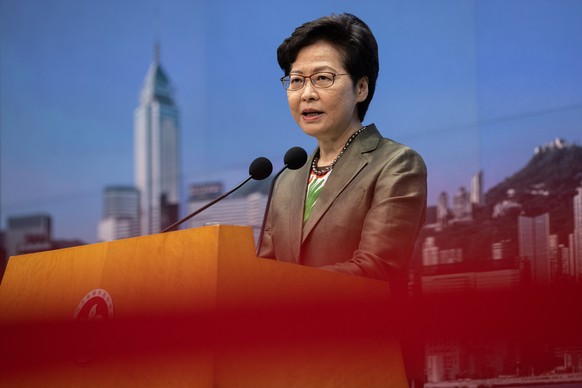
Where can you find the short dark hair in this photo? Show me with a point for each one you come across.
(347, 33)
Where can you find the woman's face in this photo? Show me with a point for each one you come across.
(326, 113)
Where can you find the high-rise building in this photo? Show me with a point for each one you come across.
(501, 250)
(534, 240)
(554, 257)
(443, 359)
(442, 210)
(572, 265)
(450, 256)
(564, 255)
(576, 246)
(28, 234)
(462, 208)
(157, 171)
(477, 189)
(430, 252)
(120, 213)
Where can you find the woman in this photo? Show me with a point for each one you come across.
(359, 202)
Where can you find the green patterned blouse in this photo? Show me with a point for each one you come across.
(314, 188)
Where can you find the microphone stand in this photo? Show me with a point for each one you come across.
(260, 241)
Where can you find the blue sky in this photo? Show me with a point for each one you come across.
(469, 84)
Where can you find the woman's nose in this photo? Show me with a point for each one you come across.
(308, 92)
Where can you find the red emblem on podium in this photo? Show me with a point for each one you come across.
(97, 305)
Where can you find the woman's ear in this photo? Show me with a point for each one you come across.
(362, 89)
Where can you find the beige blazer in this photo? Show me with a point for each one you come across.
(366, 219)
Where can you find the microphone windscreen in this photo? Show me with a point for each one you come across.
(295, 158)
(260, 168)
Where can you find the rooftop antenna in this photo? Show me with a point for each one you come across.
(157, 30)
(157, 52)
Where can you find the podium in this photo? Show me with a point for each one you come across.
(192, 308)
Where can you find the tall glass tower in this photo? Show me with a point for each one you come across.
(157, 171)
(533, 239)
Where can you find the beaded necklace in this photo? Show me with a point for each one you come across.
(321, 171)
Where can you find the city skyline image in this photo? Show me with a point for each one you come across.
(466, 104)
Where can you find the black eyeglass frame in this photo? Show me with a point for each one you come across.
(287, 80)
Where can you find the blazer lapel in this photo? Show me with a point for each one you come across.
(347, 168)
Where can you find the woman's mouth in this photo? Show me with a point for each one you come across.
(311, 114)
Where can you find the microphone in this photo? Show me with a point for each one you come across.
(259, 169)
(294, 159)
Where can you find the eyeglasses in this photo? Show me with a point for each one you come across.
(318, 80)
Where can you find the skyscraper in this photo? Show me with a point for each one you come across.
(534, 237)
(576, 245)
(477, 189)
(157, 171)
(462, 208)
(442, 210)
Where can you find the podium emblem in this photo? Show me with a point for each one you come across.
(97, 305)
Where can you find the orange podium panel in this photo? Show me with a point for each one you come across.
(191, 308)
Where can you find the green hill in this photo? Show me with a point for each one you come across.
(546, 184)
